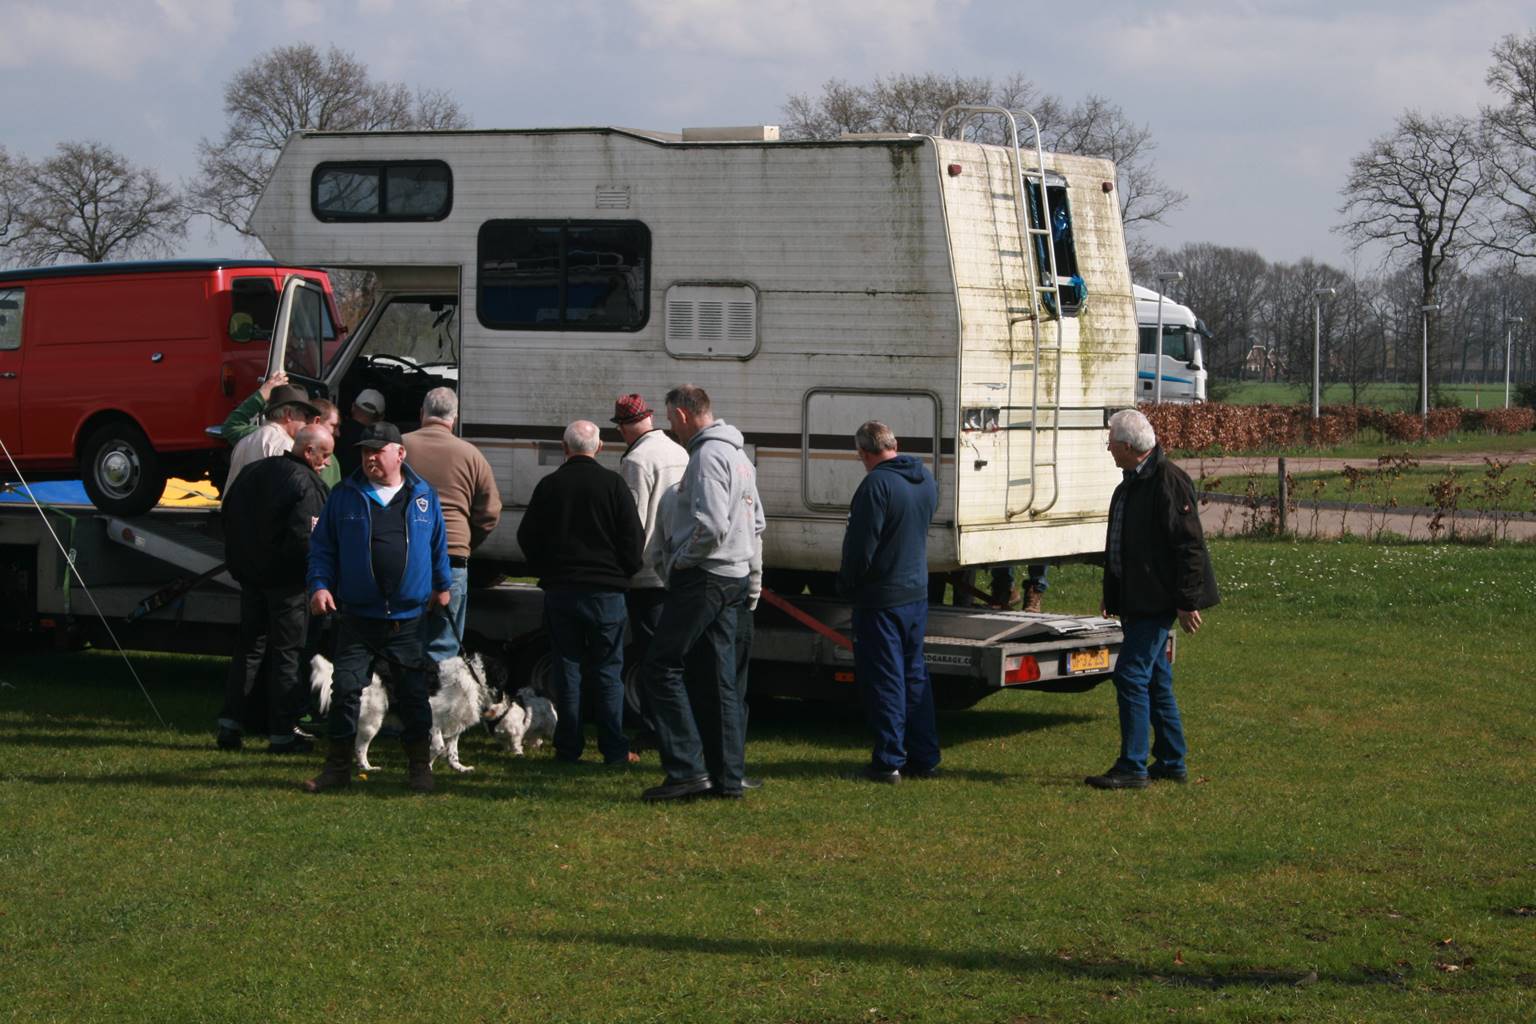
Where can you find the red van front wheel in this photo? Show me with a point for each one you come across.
(120, 470)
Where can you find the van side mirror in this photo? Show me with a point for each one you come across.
(241, 327)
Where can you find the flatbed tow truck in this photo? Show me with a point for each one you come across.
(159, 581)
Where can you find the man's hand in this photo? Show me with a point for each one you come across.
(321, 602)
(277, 380)
(443, 598)
(1190, 621)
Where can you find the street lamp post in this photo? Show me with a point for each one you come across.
(1509, 336)
(1424, 368)
(1164, 279)
(1317, 347)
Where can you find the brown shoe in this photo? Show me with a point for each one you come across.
(1031, 600)
(418, 755)
(337, 772)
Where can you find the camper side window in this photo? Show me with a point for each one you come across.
(12, 301)
(392, 190)
(563, 275)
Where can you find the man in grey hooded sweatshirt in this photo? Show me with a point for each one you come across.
(712, 554)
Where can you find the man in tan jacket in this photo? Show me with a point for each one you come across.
(471, 506)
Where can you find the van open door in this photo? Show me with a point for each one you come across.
(298, 335)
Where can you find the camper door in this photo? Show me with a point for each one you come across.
(298, 336)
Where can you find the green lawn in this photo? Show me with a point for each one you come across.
(1512, 490)
(1394, 395)
(1355, 846)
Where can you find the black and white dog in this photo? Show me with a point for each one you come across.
(527, 720)
(459, 698)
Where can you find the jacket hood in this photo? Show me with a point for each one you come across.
(717, 431)
(909, 467)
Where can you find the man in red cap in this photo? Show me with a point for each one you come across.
(652, 465)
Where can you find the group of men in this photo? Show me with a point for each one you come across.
(387, 547)
(672, 544)
(671, 547)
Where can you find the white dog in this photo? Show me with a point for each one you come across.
(529, 719)
(460, 699)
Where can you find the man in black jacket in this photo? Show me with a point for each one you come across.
(268, 515)
(884, 573)
(581, 536)
(1156, 569)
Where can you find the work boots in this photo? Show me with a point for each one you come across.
(337, 771)
(418, 754)
(1031, 599)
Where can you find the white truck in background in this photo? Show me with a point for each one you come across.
(1183, 366)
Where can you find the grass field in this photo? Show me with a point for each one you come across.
(1513, 490)
(1391, 396)
(1355, 845)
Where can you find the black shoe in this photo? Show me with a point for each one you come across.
(926, 773)
(747, 782)
(869, 773)
(229, 739)
(684, 789)
(293, 746)
(1160, 774)
(1117, 780)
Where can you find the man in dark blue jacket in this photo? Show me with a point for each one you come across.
(379, 558)
(885, 574)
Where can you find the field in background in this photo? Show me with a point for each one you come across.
(1402, 397)
(1355, 845)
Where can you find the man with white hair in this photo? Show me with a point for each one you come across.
(581, 536)
(471, 507)
(1156, 569)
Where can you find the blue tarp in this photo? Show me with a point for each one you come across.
(50, 492)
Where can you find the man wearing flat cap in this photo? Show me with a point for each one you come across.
(651, 466)
(289, 408)
(378, 559)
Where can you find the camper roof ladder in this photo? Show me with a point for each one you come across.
(1045, 287)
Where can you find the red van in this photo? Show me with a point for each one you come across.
(116, 371)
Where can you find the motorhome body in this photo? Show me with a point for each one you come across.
(807, 286)
(1183, 367)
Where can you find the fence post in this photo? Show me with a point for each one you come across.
(1285, 499)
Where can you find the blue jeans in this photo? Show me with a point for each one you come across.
(397, 642)
(691, 681)
(1144, 695)
(586, 638)
(893, 682)
(440, 633)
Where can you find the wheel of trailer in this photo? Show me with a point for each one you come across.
(120, 469)
(632, 705)
(532, 664)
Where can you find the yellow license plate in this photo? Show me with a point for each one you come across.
(1088, 661)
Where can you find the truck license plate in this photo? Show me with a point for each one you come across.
(1089, 660)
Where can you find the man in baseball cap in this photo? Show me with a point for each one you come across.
(378, 560)
(367, 408)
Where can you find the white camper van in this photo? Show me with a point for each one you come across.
(1183, 366)
(807, 286)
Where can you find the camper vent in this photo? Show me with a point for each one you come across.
(613, 197)
(712, 321)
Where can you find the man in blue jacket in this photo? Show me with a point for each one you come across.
(379, 558)
(884, 574)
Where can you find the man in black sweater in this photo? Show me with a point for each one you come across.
(269, 513)
(581, 536)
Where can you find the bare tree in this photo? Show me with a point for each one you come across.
(87, 202)
(1225, 287)
(1414, 191)
(10, 190)
(293, 88)
(913, 103)
(1512, 136)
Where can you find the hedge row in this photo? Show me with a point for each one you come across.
(1242, 428)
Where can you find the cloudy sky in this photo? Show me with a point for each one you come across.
(1257, 106)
